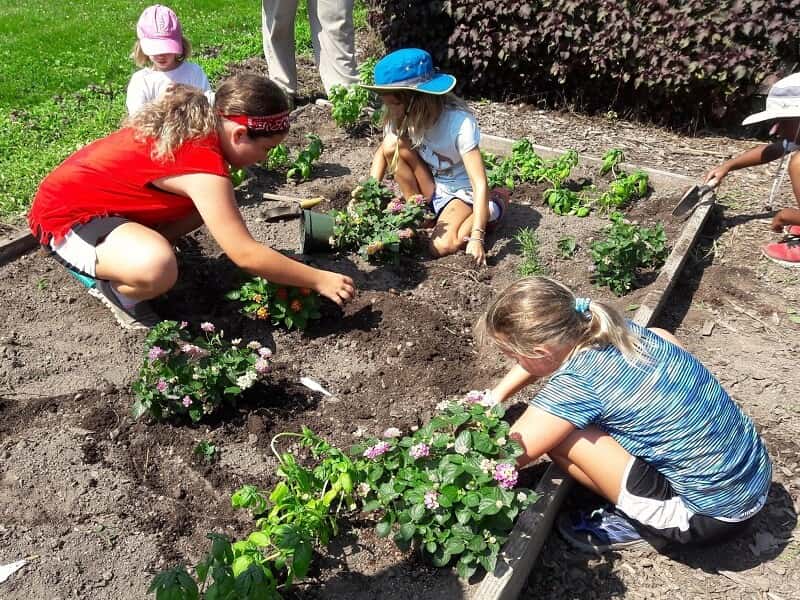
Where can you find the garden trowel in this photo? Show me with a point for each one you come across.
(693, 196)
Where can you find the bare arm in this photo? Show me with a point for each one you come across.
(539, 432)
(755, 156)
(513, 381)
(378, 168)
(214, 199)
(473, 163)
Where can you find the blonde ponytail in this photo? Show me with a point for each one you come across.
(538, 311)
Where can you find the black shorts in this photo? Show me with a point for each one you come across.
(648, 499)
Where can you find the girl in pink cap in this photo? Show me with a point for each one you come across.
(162, 51)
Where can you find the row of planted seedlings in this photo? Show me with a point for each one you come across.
(625, 249)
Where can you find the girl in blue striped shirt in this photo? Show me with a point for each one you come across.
(632, 416)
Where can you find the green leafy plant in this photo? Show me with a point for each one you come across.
(238, 176)
(626, 249)
(301, 166)
(567, 247)
(206, 451)
(277, 157)
(350, 101)
(190, 376)
(566, 202)
(528, 242)
(377, 224)
(624, 189)
(448, 487)
(610, 160)
(282, 305)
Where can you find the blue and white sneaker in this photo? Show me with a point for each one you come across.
(601, 530)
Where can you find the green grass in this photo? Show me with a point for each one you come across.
(64, 69)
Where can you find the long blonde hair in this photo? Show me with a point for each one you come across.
(183, 112)
(141, 59)
(537, 311)
(422, 112)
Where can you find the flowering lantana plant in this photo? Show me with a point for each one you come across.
(449, 487)
(186, 376)
(376, 223)
(289, 306)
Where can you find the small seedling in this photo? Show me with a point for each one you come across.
(206, 451)
(277, 157)
(42, 284)
(238, 176)
(794, 315)
(611, 159)
(567, 247)
(529, 245)
(301, 166)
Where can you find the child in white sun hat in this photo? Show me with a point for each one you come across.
(431, 147)
(782, 108)
(162, 50)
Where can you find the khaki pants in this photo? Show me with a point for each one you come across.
(331, 34)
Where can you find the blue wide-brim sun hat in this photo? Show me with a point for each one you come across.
(410, 69)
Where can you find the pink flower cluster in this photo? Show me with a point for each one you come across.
(262, 366)
(506, 475)
(419, 451)
(157, 353)
(187, 402)
(392, 432)
(484, 398)
(193, 351)
(264, 352)
(376, 450)
(161, 386)
(396, 206)
(417, 199)
(208, 327)
(431, 500)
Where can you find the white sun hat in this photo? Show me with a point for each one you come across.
(783, 101)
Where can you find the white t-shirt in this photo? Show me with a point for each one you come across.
(443, 145)
(148, 84)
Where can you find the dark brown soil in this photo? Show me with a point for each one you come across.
(105, 502)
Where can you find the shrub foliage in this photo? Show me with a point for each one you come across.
(673, 60)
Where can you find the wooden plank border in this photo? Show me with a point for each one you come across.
(533, 525)
(13, 247)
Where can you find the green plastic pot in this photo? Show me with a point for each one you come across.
(316, 230)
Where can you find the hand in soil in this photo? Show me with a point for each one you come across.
(336, 287)
(475, 248)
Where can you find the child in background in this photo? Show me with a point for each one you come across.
(632, 416)
(782, 107)
(112, 210)
(162, 51)
(431, 148)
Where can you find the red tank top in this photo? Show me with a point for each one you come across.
(113, 177)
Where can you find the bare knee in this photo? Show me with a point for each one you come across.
(444, 246)
(156, 271)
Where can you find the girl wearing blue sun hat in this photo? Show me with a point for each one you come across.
(430, 146)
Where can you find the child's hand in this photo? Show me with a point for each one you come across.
(475, 248)
(717, 173)
(785, 216)
(336, 287)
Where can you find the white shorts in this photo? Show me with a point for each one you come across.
(78, 249)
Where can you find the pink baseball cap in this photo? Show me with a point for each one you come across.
(159, 31)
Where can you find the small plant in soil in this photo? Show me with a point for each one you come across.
(624, 189)
(300, 169)
(206, 451)
(238, 176)
(184, 375)
(528, 243)
(611, 159)
(625, 251)
(448, 488)
(564, 201)
(277, 157)
(281, 305)
(350, 101)
(377, 224)
(567, 247)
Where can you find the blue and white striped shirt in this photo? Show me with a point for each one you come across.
(671, 412)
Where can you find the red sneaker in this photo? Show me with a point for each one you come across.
(786, 254)
(793, 230)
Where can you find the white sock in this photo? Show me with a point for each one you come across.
(494, 211)
(126, 301)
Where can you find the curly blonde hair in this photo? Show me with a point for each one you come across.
(183, 112)
(535, 311)
(141, 59)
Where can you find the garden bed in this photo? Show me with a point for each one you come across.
(106, 501)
